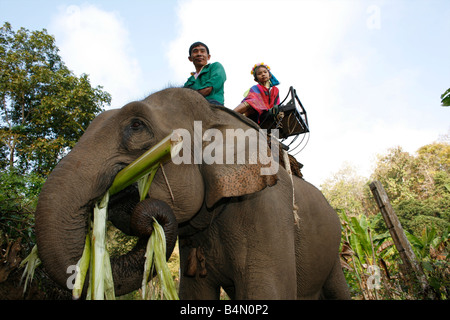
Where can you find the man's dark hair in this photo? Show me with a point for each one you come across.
(196, 44)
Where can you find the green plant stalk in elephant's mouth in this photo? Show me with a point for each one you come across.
(95, 257)
(148, 162)
(156, 259)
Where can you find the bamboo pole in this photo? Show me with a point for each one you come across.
(402, 244)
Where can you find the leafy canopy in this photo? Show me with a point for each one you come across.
(418, 187)
(44, 107)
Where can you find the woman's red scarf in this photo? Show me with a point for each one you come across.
(262, 99)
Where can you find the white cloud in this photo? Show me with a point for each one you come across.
(95, 42)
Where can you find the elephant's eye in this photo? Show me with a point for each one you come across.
(136, 124)
(136, 134)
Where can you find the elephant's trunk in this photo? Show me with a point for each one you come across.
(142, 221)
(62, 213)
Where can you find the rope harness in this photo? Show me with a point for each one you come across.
(287, 165)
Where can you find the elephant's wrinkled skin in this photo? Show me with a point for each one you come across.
(236, 226)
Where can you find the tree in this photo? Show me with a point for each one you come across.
(44, 107)
(406, 176)
(396, 172)
(418, 186)
(345, 190)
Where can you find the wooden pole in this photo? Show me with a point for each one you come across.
(402, 244)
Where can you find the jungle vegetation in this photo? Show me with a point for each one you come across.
(44, 110)
(418, 187)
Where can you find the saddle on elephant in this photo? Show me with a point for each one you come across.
(290, 118)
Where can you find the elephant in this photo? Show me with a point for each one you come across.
(257, 236)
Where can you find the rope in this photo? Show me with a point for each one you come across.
(167, 182)
(288, 169)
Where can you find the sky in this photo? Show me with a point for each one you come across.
(369, 73)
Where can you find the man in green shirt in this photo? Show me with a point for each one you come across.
(208, 78)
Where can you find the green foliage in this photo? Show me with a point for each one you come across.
(44, 109)
(405, 176)
(362, 251)
(418, 187)
(395, 171)
(18, 197)
(427, 240)
(372, 266)
(431, 250)
(415, 214)
(345, 190)
(445, 98)
(44, 106)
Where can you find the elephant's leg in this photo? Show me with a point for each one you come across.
(196, 288)
(267, 271)
(259, 249)
(275, 284)
(335, 286)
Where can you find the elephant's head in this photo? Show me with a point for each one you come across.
(116, 138)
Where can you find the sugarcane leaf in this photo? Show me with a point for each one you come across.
(31, 262)
(162, 269)
(83, 267)
(147, 266)
(145, 182)
(109, 283)
(99, 249)
(143, 165)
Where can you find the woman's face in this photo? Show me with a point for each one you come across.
(262, 74)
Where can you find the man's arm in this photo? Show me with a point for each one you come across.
(216, 80)
(205, 91)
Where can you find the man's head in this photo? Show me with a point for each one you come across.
(199, 54)
(197, 44)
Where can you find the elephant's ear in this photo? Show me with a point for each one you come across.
(246, 167)
(227, 180)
